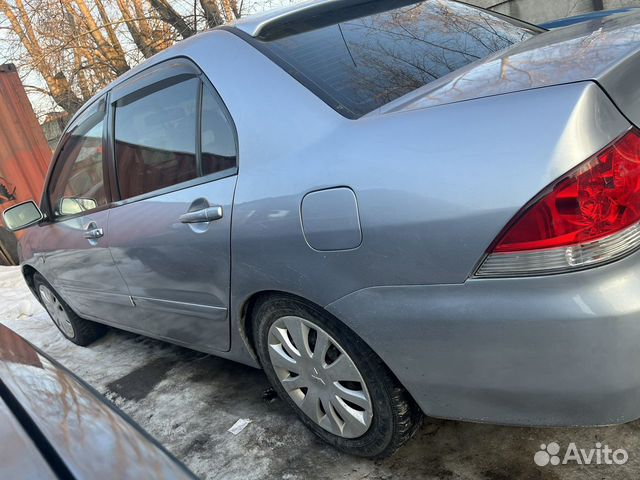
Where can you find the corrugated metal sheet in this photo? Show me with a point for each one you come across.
(24, 152)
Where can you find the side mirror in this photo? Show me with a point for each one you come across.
(71, 206)
(22, 216)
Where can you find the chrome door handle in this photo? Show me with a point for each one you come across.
(204, 215)
(94, 233)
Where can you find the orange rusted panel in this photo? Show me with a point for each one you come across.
(24, 152)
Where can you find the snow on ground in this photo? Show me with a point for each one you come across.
(188, 401)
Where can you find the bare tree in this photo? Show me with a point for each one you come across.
(79, 46)
(57, 82)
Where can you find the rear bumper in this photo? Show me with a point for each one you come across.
(555, 350)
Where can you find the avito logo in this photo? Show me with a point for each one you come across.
(549, 454)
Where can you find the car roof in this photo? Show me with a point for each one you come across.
(259, 25)
(254, 24)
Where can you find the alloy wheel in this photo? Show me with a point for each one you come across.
(320, 377)
(56, 311)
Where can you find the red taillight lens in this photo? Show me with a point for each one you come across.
(589, 217)
(598, 199)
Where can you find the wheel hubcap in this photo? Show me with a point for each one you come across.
(56, 311)
(320, 377)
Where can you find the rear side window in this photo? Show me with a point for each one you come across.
(155, 138)
(218, 139)
(359, 64)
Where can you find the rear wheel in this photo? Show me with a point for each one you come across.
(336, 384)
(78, 330)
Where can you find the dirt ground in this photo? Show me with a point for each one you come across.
(188, 401)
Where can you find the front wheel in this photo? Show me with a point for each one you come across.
(78, 330)
(336, 384)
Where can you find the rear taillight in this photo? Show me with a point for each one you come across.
(590, 216)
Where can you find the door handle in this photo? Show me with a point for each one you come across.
(94, 233)
(208, 214)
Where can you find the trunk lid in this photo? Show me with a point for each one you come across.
(605, 50)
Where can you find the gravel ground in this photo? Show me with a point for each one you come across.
(188, 401)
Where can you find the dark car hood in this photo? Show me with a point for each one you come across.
(19, 456)
(93, 439)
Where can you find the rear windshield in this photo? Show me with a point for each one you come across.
(359, 64)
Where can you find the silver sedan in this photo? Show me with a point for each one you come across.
(391, 207)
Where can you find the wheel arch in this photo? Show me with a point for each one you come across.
(248, 308)
(28, 273)
(246, 323)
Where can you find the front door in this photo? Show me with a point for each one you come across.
(74, 243)
(175, 158)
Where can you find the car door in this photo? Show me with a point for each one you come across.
(174, 148)
(74, 247)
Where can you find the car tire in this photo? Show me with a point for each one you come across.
(78, 330)
(385, 417)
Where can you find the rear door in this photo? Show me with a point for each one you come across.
(174, 150)
(74, 242)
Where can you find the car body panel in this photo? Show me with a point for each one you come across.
(430, 226)
(606, 50)
(254, 24)
(19, 457)
(83, 270)
(555, 350)
(177, 273)
(621, 84)
(586, 17)
(91, 437)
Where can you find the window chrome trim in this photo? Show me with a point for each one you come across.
(150, 76)
(229, 172)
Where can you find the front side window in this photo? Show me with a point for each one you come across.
(77, 182)
(155, 138)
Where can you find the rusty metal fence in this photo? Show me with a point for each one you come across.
(24, 154)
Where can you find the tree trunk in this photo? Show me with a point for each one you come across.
(173, 18)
